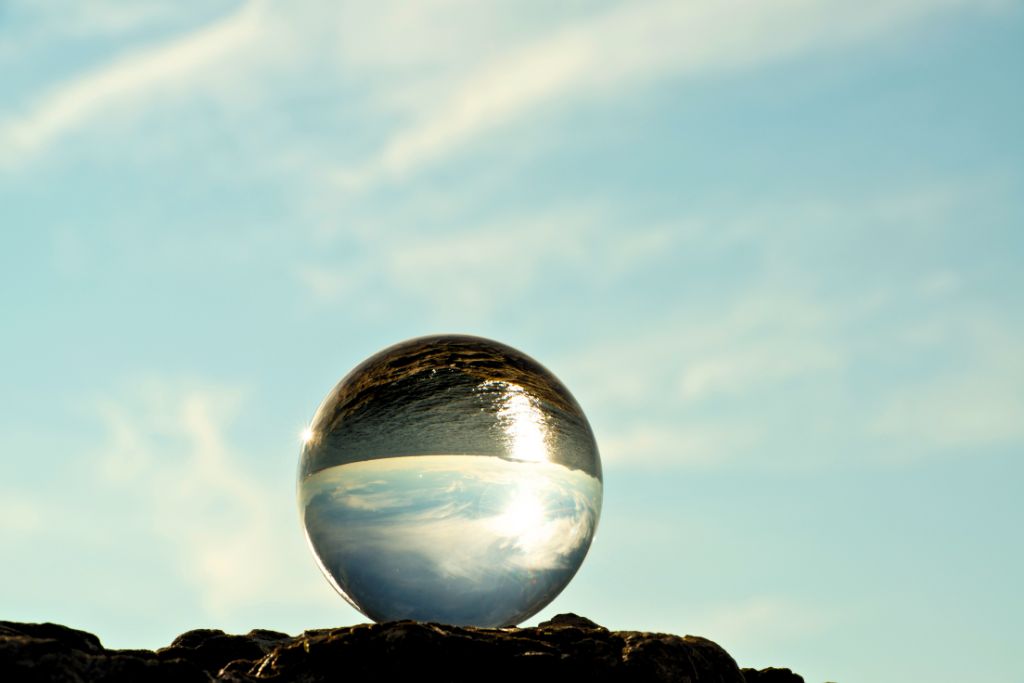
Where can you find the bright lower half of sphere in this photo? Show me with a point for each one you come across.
(450, 479)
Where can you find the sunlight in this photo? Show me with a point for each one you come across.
(524, 425)
(524, 513)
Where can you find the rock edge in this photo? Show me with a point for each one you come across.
(568, 647)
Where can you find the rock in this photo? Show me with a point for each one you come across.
(567, 621)
(211, 650)
(568, 646)
(48, 652)
(67, 637)
(771, 675)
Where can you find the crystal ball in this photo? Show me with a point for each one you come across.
(450, 479)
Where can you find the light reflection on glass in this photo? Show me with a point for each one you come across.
(450, 479)
(523, 423)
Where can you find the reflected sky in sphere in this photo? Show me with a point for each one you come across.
(450, 479)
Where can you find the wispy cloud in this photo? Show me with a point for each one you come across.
(131, 80)
(771, 371)
(650, 388)
(968, 404)
(762, 341)
(628, 45)
(96, 18)
(168, 456)
(681, 443)
(975, 404)
(473, 270)
(794, 368)
(408, 57)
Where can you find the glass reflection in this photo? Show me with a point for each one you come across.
(450, 479)
(457, 539)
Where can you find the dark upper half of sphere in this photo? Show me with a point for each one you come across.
(450, 395)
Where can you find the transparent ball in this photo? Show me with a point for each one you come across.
(450, 479)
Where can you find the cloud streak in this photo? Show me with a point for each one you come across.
(444, 107)
(505, 261)
(125, 81)
(169, 459)
(978, 406)
(628, 45)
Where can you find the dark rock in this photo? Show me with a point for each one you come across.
(569, 620)
(50, 652)
(567, 646)
(267, 640)
(211, 650)
(771, 675)
(67, 637)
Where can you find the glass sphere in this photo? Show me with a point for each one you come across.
(449, 479)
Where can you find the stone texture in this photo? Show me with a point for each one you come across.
(771, 675)
(568, 647)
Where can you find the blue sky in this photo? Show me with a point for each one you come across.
(773, 248)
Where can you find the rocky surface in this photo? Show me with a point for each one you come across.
(567, 647)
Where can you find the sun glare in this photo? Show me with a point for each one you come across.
(524, 512)
(524, 426)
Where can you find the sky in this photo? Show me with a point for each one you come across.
(773, 248)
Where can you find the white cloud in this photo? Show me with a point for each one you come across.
(628, 45)
(782, 371)
(442, 74)
(233, 537)
(763, 340)
(647, 390)
(767, 335)
(744, 359)
(473, 271)
(690, 443)
(96, 17)
(650, 416)
(976, 405)
(135, 79)
(966, 407)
